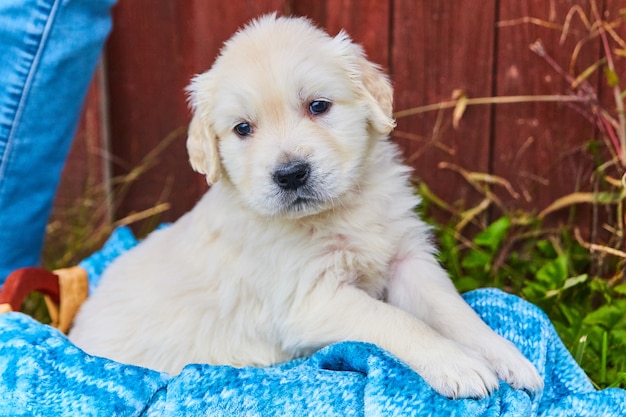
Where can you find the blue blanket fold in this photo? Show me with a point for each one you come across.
(43, 374)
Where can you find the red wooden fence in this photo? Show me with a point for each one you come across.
(430, 48)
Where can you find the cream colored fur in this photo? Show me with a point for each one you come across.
(255, 274)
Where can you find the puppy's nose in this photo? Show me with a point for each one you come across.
(292, 175)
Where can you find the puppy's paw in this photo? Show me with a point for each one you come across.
(455, 373)
(511, 366)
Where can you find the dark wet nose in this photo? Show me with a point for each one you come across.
(292, 175)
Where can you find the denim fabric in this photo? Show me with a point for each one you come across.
(48, 53)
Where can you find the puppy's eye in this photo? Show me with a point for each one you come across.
(243, 129)
(319, 107)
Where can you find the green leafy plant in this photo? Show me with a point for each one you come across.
(550, 270)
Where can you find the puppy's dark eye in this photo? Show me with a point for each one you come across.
(319, 107)
(243, 129)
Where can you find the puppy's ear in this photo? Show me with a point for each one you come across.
(202, 148)
(377, 90)
(201, 138)
(380, 93)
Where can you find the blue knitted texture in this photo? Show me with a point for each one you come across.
(43, 374)
(121, 240)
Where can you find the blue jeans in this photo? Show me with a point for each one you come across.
(48, 53)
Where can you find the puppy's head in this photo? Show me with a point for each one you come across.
(288, 116)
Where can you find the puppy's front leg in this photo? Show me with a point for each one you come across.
(330, 314)
(421, 287)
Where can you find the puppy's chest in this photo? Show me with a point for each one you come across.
(361, 259)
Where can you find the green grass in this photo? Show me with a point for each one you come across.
(552, 269)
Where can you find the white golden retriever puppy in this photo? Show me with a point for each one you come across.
(308, 235)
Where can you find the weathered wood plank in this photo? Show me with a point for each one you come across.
(439, 47)
(539, 147)
(367, 22)
(612, 12)
(86, 163)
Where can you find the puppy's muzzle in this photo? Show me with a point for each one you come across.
(292, 175)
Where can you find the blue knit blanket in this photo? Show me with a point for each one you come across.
(43, 374)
